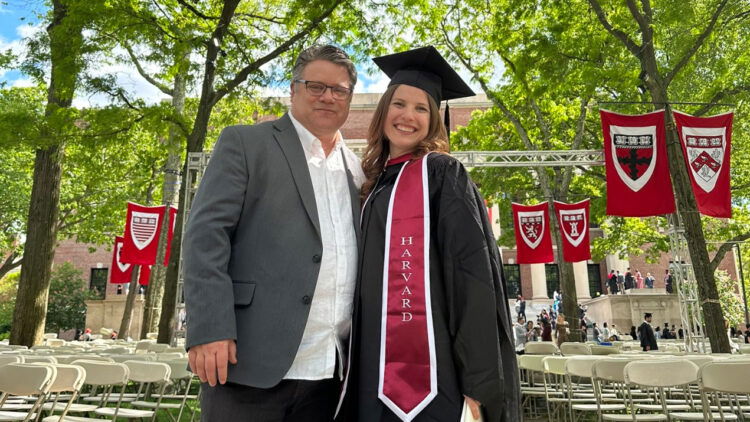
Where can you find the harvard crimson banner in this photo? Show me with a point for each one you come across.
(573, 220)
(706, 143)
(142, 234)
(170, 233)
(145, 275)
(533, 242)
(120, 272)
(637, 168)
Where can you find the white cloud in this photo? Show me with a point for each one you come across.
(22, 83)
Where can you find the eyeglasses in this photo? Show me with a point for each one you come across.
(319, 88)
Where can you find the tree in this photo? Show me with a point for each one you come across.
(67, 304)
(643, 31)
(65, 32)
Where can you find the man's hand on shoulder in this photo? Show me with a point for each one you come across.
(209, 361)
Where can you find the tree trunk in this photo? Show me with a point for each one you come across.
(33, 287)
(567, 279)
(696, 241)
(153, 305)
(127, 315)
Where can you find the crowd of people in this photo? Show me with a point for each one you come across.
(618, 283)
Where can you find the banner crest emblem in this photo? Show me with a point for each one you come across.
(634, 154)
(705, 150)
(143, 227)
(574, 225)
(532, 227)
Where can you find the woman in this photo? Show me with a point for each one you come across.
(431, 324)
(561, 331)
(638, 280)
(546, 331)
(531, 332)
(519, 332)
(633, 333)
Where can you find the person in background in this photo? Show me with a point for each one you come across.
(596, 334)
(546, 331)
(668, 279)
(647, 335)
(532, 332)
(620, 283)
(649, 281)
(612, 282)
(633, 333)
(519, 332)
(747, 333)
(629, 279)
(638, 280)
(605, 332)
(681, 333)
(614, 334)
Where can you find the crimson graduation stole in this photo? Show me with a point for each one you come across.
(408, 370)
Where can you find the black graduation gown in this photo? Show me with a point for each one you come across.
(474, 345)
(646, 334)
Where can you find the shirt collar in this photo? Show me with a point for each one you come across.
(308, 139)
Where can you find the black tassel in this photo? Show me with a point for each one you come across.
(447, 120)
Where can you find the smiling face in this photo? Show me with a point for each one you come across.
(322, 115)
(407, 121)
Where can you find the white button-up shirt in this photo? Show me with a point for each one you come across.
(329, 322)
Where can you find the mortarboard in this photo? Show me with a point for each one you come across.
(426, 69)
(647, 314)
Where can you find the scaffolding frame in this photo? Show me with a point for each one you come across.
(682, 269)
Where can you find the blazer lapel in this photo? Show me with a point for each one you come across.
(355, 198)
(289, 142)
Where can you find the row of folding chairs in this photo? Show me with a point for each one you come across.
(89, 388)
(568, 349)
(636, 387)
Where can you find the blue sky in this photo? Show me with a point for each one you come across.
(16, 18)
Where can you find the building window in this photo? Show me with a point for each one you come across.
(512, 273)
(552, 274)
(595, 280)
(98, 281)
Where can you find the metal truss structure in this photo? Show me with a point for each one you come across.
(682, 269)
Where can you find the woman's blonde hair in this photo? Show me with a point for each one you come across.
(378, 150)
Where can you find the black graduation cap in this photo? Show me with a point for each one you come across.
(426, 69)
(647, 315)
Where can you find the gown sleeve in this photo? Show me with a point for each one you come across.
(478, 314)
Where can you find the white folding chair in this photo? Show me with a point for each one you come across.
(660, 375)
(19, 379)
(69, 379)
(719, 381)
(144, 373)
(541, 348)
(572, 349)
(581, 367)
(103, 378)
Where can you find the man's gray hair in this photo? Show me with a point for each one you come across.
(329, 53)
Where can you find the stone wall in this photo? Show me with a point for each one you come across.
(627, 310)
(108, 314)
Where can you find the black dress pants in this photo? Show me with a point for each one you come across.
(289, 401)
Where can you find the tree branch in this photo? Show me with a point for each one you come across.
(696, 45)
(10, 263)
(724, 248)
(719, 96)
(577, 140)
(623, 37)
(163, 88)
(242, 75)
(195, 11)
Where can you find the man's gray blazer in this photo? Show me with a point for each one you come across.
(252, 249)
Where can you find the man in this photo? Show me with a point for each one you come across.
(646, 334)
(271, 253)
(620, 283)
(612, 282)
(605, 332)
(519, 330)
(665, 333)
(521, 307)
(668, 279)
(597, 335)
(629, 279)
